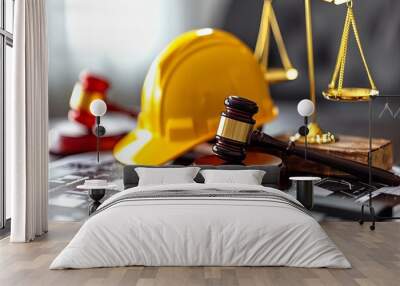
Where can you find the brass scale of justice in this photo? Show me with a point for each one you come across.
(335, 90)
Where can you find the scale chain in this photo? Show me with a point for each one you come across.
(361, 49)
(340, 55)
(344, 52)
(350, 22)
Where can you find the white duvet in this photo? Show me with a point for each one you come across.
(200, 231)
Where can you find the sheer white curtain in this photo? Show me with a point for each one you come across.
(27, 123)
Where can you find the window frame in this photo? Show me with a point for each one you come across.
(6, 39)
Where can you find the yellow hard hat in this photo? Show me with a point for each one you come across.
(184, 92)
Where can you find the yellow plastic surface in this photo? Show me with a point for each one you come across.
(184, 92)
(81, 100)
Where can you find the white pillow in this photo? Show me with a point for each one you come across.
(164, 176)
(248, 177)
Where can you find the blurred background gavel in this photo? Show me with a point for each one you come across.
(235, 133)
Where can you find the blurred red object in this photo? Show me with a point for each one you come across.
(94, 83)
(76, 136)
(87, 143)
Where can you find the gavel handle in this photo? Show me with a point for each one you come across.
(357, 169)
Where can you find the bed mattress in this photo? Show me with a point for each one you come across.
(201, 225)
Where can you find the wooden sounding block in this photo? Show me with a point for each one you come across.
(348, 147)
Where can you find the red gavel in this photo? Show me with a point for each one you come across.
(89, 88)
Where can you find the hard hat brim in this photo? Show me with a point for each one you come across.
(140, 147)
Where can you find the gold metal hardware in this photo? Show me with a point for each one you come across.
(234, 129)
(335, 90)
(268, 20)
(338, 2)
(316, 134)
(350, 94)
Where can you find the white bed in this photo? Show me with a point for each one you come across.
(139, 227)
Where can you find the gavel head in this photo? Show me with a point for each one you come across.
(234, 129)
(90, 88)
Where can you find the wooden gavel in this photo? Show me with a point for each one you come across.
(235, 133)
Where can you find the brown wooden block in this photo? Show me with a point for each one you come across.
(348, 147)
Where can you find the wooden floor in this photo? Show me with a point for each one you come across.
(375, 257)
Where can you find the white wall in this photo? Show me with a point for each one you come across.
(118, 38)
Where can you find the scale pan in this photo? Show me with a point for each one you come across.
(350, 94)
